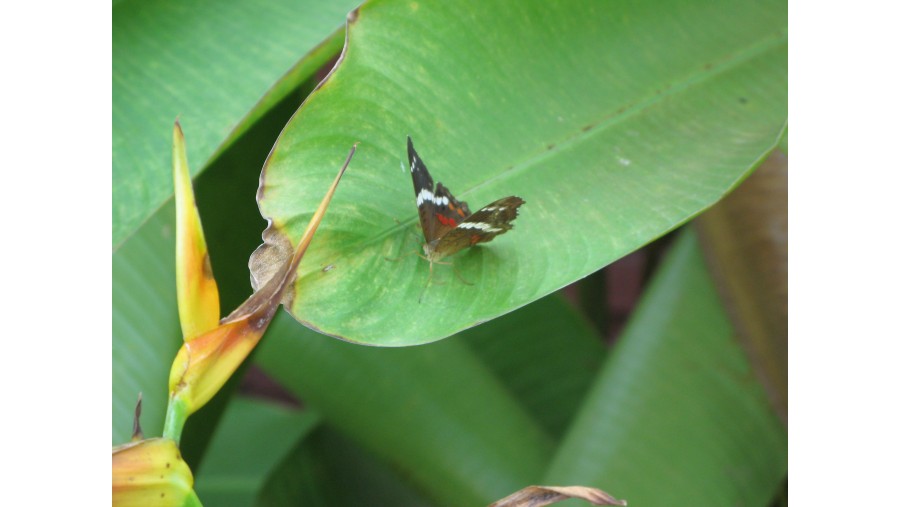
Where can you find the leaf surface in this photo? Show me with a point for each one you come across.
(615, 121)
(327, 469)
(145, 327)
(467, 420)
(676, 412)
(437, 413)
(545, 354)
(252, 439)
(211, 64)
(745, 241)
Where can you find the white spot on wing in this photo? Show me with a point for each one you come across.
(479, 225)
(426, 195)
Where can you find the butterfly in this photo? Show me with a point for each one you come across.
(447, 223)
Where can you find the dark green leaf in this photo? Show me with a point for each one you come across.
(328, 470)
(436, 413)
(676, 414)
(547, 356)
(253, 438)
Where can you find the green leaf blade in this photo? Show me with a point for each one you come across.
(328, 469)
(615, 122)
(546, 355)
(212, 65)
(436, 413)
(143, 345)
(453, 416)
(676, 412)
(253, 438)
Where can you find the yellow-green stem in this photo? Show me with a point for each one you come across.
(192, 500)
(176, 415)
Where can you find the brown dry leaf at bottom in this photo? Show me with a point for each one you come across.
(536, 496)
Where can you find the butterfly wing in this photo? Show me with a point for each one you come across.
(479, 227)
(449, 211)
(439, 211)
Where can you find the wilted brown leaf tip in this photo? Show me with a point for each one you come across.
(538, 496)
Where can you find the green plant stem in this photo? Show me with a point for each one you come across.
(176, 415)
(192, 500)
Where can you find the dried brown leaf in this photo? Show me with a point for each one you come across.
(537, 496)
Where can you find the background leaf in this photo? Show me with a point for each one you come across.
(327, 469)
(436, 412)
(676, 411)
(211, 64)
(144, 345)
(465, 419)
(614, 121)
(744, 239)
(145, 318)
(545, 354)
(247, 446)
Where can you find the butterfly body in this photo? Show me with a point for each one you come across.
(447, 223)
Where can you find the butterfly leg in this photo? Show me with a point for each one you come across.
(410, 231)
(444, 263)
(427, 282)
(461, 279)
(407, 254)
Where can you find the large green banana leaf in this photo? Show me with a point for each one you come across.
(468, 420)
(659, 109)
(327, 469)
(615, 121)
(677, 415)
(251, 442)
